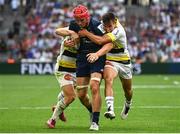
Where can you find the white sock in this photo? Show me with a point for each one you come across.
(59, 109)
(60, 95)
(110, 103)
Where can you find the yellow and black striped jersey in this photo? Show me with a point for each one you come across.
(119, 40)
(67, 58)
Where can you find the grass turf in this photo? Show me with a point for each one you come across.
(25, 106)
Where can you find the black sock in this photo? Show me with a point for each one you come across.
(89, 109)
(96, 117)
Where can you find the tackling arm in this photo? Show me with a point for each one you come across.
(100, 40)
(105, 49)
(92, 57)
(66, 32)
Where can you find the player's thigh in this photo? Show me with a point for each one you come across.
(124, 70)
(65, 78)
(125, 74)
(80, 81)
(82, 86)
(96, 75)
(110, 72)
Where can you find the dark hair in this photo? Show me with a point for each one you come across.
(107, 17)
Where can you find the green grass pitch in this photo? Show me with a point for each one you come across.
(25, 106)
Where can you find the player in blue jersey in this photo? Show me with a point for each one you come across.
(87, 73)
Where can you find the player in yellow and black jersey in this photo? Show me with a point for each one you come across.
(117, 60)
(65, 72)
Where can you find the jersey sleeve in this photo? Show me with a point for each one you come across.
(115, 34)
(73, 26)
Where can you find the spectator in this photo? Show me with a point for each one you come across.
(10, 59)
(153, 38)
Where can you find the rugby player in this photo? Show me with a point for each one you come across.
(88, 73)
(117, 61)
(65, 72)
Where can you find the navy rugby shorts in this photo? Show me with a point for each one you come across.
(84, 68)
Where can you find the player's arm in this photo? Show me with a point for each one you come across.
(100, 40)
(92, 57)
(66, 32)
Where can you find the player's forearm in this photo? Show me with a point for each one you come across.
(63, 32)
(105, 49)
(100, 40)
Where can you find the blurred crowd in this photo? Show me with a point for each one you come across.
(153, 38)
(156, 37)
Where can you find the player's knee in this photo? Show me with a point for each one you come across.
(108, 80)
(94, 87)
(72, 98)
(82, 91)
(81, 95)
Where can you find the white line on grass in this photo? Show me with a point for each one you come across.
(4, 108)
(152, 86)
(136, 107)
(156, 86)
(176, 85)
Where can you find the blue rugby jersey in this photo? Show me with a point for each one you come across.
(86, 45)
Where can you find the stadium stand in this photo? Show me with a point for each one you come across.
(26, 28)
